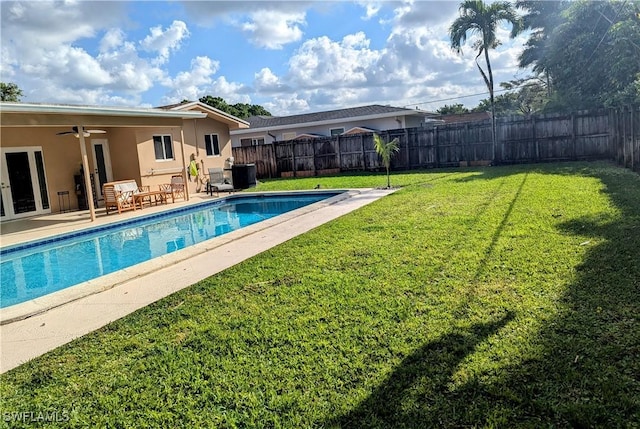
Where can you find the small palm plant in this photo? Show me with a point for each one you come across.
(386, 150)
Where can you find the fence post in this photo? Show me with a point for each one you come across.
(406, 136)
(313, 148)
(273, 161)
(573, 136)
(610, 131)
(338, 152)
(633, 136)
(536, 146)
(466, 149)
(364, 154)
(436, 144)
(624, 137)
(293, 159)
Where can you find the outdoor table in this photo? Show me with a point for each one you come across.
(151, 197)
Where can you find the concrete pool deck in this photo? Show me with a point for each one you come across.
(38, 326)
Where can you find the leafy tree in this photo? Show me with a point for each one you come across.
(481, 19)
(590, 50)
(531, 94)
(386, 150)
(541, 17)
(453, 109)
(10, 92)
(524, 97)
(216, 102)
(239, 110)
(503, 104)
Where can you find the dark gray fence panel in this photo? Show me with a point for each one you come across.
(598, 134)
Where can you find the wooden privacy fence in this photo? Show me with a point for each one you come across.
(586, 135)
(626, 137)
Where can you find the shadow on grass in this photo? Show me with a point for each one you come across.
(416, 393)
(586, 373)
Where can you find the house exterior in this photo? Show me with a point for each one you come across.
(41, 168)
(365, 119)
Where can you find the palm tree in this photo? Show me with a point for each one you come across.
(481, 19)
(386, 150)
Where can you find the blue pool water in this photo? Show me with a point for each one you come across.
(35, 269)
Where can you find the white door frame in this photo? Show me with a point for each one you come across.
(7, 195)
(107, 164)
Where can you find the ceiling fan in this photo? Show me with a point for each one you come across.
(85, 133)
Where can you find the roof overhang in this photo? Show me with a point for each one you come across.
(217, 114)
(359, 130)
(47, 115)
(308, 136)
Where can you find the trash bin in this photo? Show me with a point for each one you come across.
(244, 176)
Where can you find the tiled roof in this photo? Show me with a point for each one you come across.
(353, 112)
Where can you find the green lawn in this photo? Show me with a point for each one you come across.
(494, 297)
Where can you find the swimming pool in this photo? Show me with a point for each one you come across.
(36, 269)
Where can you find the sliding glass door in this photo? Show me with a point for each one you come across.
(24, 185)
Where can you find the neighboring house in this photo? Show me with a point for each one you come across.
(147, 145)
(366, 119)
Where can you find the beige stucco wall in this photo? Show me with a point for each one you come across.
(155, 172)
(194, 134)
(124, 153)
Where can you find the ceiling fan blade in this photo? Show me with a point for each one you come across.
(66, 132)
(95, 131)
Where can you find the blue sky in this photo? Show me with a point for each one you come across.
(289, 56)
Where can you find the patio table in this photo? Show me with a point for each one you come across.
(150, 197)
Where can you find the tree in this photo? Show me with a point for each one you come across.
(590, 51)
(481, 19)
(10, 92)
(386, 150)
(453, 109)
(239, 110)
(524, 97)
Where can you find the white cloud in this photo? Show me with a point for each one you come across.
(321, 62)
(265, 82)
(232, 92)
(163, 42)
(285, 105)
(273, 29)
(112, 39)
(371, 8)
(191, 85)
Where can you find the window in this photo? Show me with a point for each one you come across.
(211, 144)
(336, 131)
(255, 141)
(288, 136)
(163, 146)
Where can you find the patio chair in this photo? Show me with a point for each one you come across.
(217, 182)
(177, 187)
(173, 190)
(120, 196)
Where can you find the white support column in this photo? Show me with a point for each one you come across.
(85, 167)
(184, 166)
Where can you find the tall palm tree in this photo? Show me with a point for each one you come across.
(481, 19)
(386, 150)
